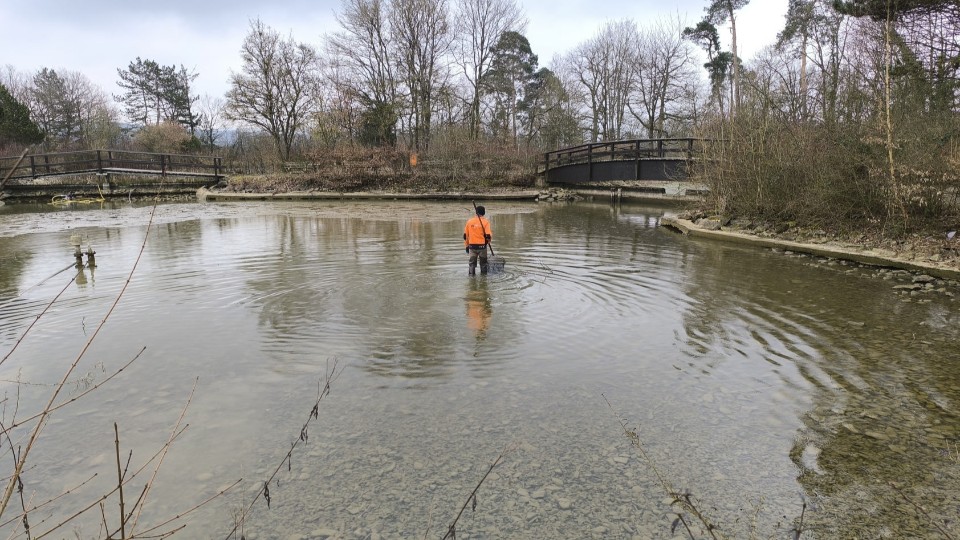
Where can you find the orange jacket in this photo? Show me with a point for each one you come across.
(473, 233)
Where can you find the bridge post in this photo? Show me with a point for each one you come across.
(33, 167)
(636, 162)
(590, 163)
(99, 163)
(216, 168)
(163, 166)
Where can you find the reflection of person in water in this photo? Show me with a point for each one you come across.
(479, 309)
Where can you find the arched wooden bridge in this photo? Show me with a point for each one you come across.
(630, 160)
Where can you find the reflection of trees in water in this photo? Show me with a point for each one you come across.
(366, 287)
(883, 388)
(13, 260)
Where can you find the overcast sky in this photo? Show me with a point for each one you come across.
(96, 37)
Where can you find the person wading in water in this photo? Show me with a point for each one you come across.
(476, 234)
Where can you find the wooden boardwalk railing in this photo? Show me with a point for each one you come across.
(110, 161)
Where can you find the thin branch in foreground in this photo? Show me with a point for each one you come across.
(264, 493)
(80, 395)
(49, 501)
(103, 497)
(163, 453)
(128, 517)
(181, 515)
(46, 411)
(120, 473)
(922, 511)
(684, 500)
(42, 313)
(798, 530)
(472, 498)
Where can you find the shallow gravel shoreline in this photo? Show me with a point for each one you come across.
(864, 254)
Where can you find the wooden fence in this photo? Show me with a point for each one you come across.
(110, 161)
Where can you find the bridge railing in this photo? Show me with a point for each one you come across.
(634, 149)
(110, 161)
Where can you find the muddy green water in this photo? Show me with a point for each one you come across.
(758, 381)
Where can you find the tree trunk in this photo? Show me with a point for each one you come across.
(736, 63)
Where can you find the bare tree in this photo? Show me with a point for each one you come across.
(666, 69)
(606, 69)
(362, 68)
(277, 87)
(349, 115)
(422, 42)
(479, 26)
(211, 118)
(546, 111)
(71, 110)
(17, 82)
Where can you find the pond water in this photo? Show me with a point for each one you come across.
(757, 381)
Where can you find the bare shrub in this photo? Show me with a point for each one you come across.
(826, 176)
(164, 138)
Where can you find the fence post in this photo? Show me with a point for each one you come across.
(99, 163)
(163, 166)
(33, 168)
(216, 168)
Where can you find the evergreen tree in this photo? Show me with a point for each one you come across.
(15, 123)
(511, 70)
(880, 9)
(721, 12)
(156, 93)
(718, 62)
(378, 125)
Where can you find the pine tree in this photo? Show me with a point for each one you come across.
(15, 123)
